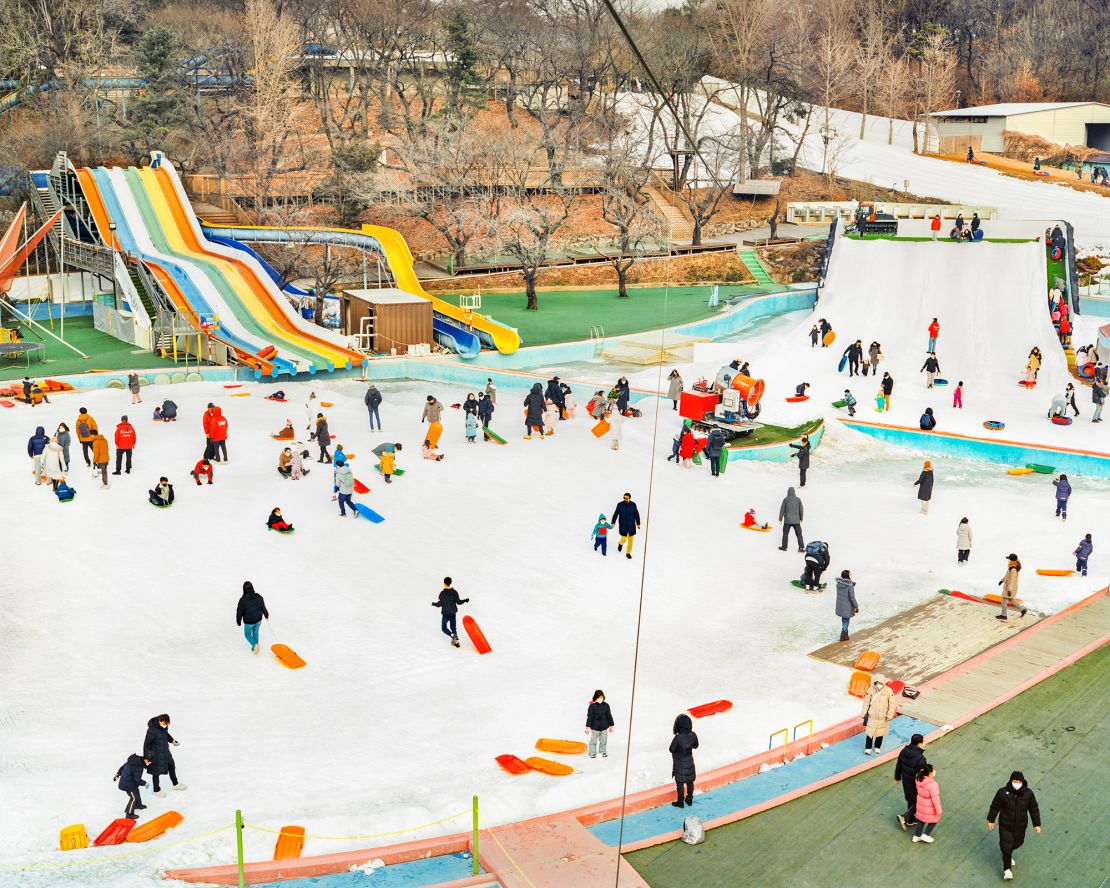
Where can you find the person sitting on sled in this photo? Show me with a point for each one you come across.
(276, 522)
(749, 519)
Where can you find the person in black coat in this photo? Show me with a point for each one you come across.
(534, 407)
(373, 400)
(130, 777)
(156, 750)
(470, 405)
(682, 748)
(599, 724)
(910, 759)
(928, 422)
(887, 385)
(554, 394)
(930, 368)
(485, 409)
(803, 458)
(448, 604)
(854, 353)
(624, 395)
(1013, 806)
(714, 447)
(627, 519)
(169, 411)
(924, 485)
(249, 614)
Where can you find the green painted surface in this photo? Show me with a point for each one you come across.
(1057, 733)
(772, 434)
(105, 352)
(567, 315)
(750, 258)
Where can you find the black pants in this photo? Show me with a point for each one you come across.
(219, 451)
(1008, 843)
(714, 464)
(853, 367)
(811, 576)
(173, 776)
(797, 533)
(878, 742)
(156, 498)
(324, 455)
(802, 469)
(120, 455)
(133, 800)
(689, 787)
(962, 555)
(909, 789)
(86, 449)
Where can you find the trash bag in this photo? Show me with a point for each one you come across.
(693, 833)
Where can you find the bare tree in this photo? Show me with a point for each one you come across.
(935, 81)
(893, 83)
(871, 54)
(831, 52)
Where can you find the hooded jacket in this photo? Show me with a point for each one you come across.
(553, 392)
(130, 773)
(323, 435)
(682, 748)
(373, 398)
(64, 440)
(910, 760)
(534, 405)
(1013, 808)
(252, 607)
(156, 748)
(125, 436)
(1083, 550)
(36, 444)
(791, 510)
(169, 410)
(924, 485)
(1063, 488)
(929, 809)
(879, 707)
(86, 427)
(99, 449)
(215, 424)
(1009, 581)
(602, 527)
(715, 444)
(928, 422)
(846, 597)
(934, 327)
(963, 536)
(53, 462)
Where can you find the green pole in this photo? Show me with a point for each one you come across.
(239, 845)
(474, 849)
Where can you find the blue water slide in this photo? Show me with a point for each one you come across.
(455, 337)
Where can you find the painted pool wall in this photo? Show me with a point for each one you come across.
(776, 452)
(939, 444)
(1095, 306)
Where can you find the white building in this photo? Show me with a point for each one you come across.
(1062, 123)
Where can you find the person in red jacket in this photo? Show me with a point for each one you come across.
(934, 332)
(686, 448)
(204, 467)
(125, 443)
(935, 225)
(215, 430)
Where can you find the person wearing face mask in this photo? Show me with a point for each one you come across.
(1014, 805)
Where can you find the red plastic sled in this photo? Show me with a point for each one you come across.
(513, 765)
(797, 398)
(7, 403)
(360, 487)
(116, 832)
(1028, 385)
(236, 386)
(476, 636)
(710, 708)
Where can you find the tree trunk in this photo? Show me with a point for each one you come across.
(890, 130)
(530, 290)
(622, 280)
(695, 241)
(915, 151)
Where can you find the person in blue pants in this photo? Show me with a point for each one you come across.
(373, 400)
(250, 613)
(1063, 492)
(600, 532)
(448, 604)
(1082, 553)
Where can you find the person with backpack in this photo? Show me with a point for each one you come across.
(162, 494)
(1082, 553)
(911, 759)
(1013, 806)
(682, 747)
(930, 368)
(1009, 584)
(928, 422)
(373, 400)
(791, 513)
(924, 485)
(714, 447)
(448, 604)
(1063, 494)
(36, 448)
(156, 750)
(130, 778)
(816, 561)
(846, 606)
(929, 809)
(600, 534)
(627, 519)
(345, 487)
(250, 613)
(599, 724)
(802, 456)
(86, 429)
(878, 709)
(125, 443)
(849, 402)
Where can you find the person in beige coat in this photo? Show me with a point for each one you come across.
(1009, 584)
(878, 710)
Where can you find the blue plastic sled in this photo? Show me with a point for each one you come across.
(843, 363)
(368, 513)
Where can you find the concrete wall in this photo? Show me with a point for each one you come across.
(989, 134)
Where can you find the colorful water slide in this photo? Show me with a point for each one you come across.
(392, 246)
(271, 272)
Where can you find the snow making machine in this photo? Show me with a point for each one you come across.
(730, 403)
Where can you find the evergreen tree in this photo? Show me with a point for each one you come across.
(161, 109)
(462, 59)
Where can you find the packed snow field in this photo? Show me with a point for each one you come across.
(117, 611)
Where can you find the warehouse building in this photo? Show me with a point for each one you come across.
(1062, 123)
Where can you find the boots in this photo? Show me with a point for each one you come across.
(843, 634)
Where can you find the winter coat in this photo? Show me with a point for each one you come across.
(86, 427)
(53, 462)
(879, 708)
(125, 436)
(802, 455)
(1063, 489)
(1083, 550)
(888, 385)
(1013, 808)
(169, 410)
(345, 479)
(449, 601)
(133, 383)
(165, 491)
(36, 444)
(929, 809)
(285, 460)
(64, 440)
(686, 445)
(874, 353)
(373, 398)
(535, 405)
(323, 436)
(674, 387)
(1034, 363)
(935, 224)
(156, 748)
(931, 365)
(551, 415)
(1009, 582)
(553, 392)
(485, 410)
(433, 411)
(934, 328)
(130, 774)
(471, 425)
(682, 751)
(910, 759)
(846, 597)
(1098, 394)
(854, 352)
(215, 424)
(623, 396)
(568, 399)
(491, 392)
(963, 536)
(715, 444)
(384, 448)
(599, 717)
(470, 405)
(791, 511)
(626, 517)
(100, 450)
(924, 484)
(251, 609)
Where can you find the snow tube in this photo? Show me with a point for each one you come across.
(1061, 420)
(1057, 254)
(954, 233)
(829, 338)
(977, 234)
(1087, 371)
(994, 425)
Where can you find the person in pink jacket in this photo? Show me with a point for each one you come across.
(929, 809)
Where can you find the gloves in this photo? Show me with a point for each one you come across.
(175, 743)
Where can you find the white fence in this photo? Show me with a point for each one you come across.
(821, 212)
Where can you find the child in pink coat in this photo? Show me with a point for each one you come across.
(958, 395)
(929, 809)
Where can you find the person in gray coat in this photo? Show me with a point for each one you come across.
(63, 437)
(345, 486)
(846, 606)
(924, 484)
(790, 516)
(674, 388)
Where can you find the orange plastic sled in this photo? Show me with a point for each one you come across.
(286, 656)
(710, 708)
(560, 747)
(290, 841)
(152, 829)
(858, 684)
(546, 766)
(513, 765)
(867, 661)
(326, 404)
(1041, 572)
(758, 528)
(476, 635)
(1016, 603)
(601, 429)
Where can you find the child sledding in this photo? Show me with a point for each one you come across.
(162, 494)
(276, 522)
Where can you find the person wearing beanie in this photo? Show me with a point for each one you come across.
(1082, 553)
(1009, 584)
(924, 484)
(1013, 806)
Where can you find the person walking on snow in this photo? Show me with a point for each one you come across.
(924, 484)
(373, 400)
(249, 614)
(1009, 584)
(323, 438)
(910, 760)
(599, 724)
(875, 354)
(1063, 494)
(934, 226)
(791, 513)
(878, 710)
(1013, 806)
(86, 430)
(448, 604)
(36, 448)
(714, 447)
(62, 436)
(100, 458)
(627, 519)
(929, 810)
(1082, 553)
(849, 402)
(156, 750)
(887, 385)
(125, 443)
(485, 410)
(846, 606)
(682, 748)
(963, 541)
(934, 332)
(345, 487)
(312, 408)
(814, 336)
(600, 534)
(1069, 396)
(674, 388)
(930, 368)
(533, 411)
(616, 429)
(958, 396)
(1098, 398)
(854, 354)
(130, 777)
(802, 455)
(134, 387)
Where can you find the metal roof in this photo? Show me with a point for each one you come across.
(1012, 109)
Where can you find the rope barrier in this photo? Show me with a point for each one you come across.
(374, 836)
(504, 850)
(94, 861)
